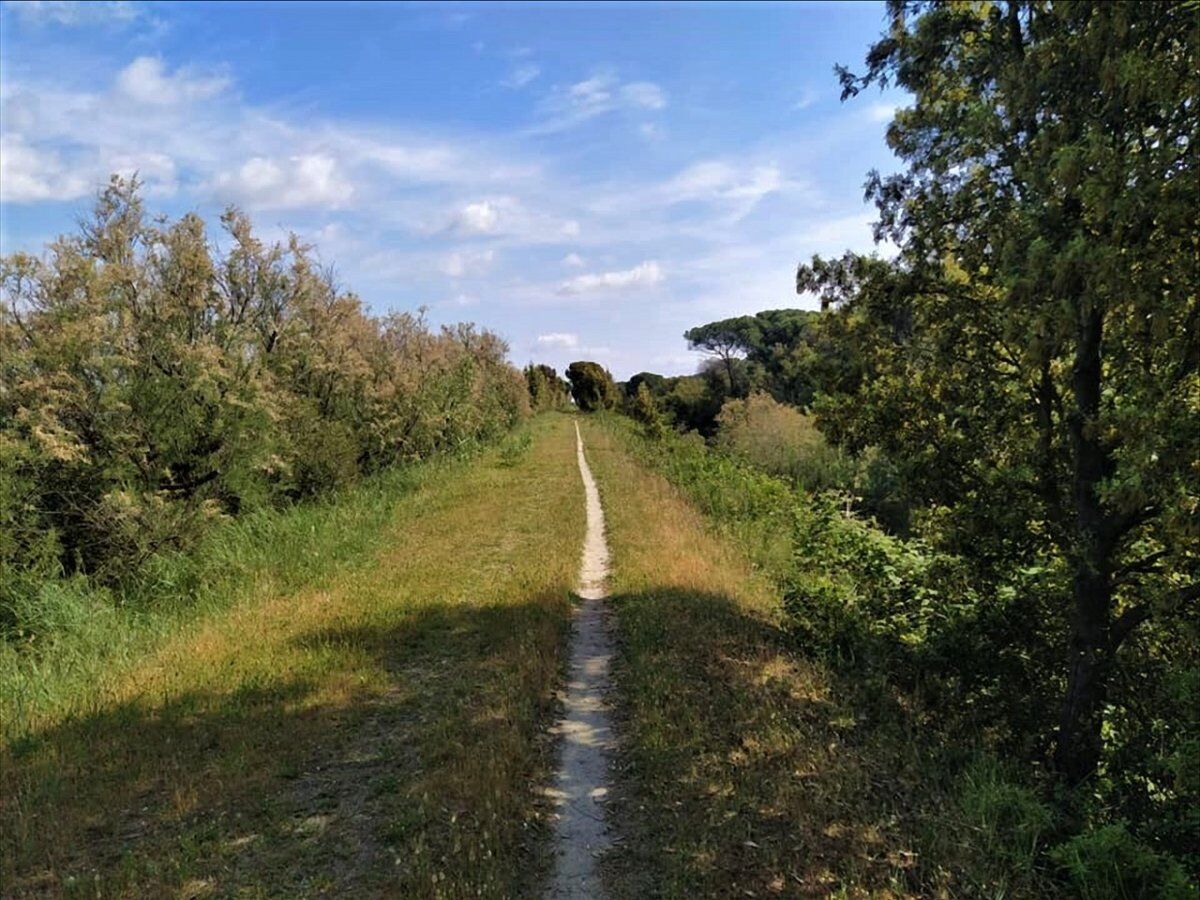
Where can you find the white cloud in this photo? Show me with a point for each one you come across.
(558, 339)
(467, 263)
(602, 93)
(28, 175)
(521, 76)
(311, 180)
(641, 275)
(574, 260)
(76, 14)
(156, 171)
(482, 217)
(807, 98)
(644, 94)
(146, 80)
(733, 191)
(715, 179)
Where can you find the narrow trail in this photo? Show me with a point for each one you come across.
(581, 782)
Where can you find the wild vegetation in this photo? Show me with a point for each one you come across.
(906, 590)
(364, 714)
(154, 387)
(1020, 382)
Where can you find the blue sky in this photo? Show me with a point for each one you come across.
(587, 180)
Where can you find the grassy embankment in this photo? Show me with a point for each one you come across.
(357, 706)
(751, 767)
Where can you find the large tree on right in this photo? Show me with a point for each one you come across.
(1047, 285)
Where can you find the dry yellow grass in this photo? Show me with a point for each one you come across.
(382, 734)
(745, 770)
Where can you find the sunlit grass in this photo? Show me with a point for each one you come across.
(364, 713)
(752, 768)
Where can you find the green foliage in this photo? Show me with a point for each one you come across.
(1109, 864)
(903, 615)
(781, 440)
(1031, 359)
(782, 352)
(592, 387)
(1011, 823)
(643, 408)
(514, 447)
(154, 387)
(546, 389)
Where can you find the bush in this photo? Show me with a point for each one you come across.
(1109, 864)
(153, 386)
(643, 408)
(781, 440)
(1009, 819)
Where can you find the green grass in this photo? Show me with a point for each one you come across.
(355, 701)
(78, 639)
(754, 766)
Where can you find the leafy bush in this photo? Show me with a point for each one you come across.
(153, 387)
(643, 408)
(903, 616)
(514, 448)
(1109, 864)
(783, 441)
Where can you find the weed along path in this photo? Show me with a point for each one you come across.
(581, 783)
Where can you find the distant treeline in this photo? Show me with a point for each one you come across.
(151, 385)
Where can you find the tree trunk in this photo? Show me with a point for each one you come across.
(1077, 753)
(1079, 731)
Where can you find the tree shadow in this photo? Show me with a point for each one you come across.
(410, 757)
(748, 767)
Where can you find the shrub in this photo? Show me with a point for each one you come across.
(1109, 864)
(1010, 822)
(783, 441)
(153, 385)
(643, 408)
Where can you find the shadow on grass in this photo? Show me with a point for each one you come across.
(401, 757)
(749, 769)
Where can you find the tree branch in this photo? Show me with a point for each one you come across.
(1136, 615)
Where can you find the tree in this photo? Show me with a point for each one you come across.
(1047, 224)
(643, 408)
(725, 340)
(546, 389)
(592, 387)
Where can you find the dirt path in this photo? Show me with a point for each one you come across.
(581, 783)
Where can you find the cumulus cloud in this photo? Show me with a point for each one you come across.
(642, 275)
(310, 180)
(146, 80)
(28, 175)
(574, 260)
(482, 217)
(560, 339)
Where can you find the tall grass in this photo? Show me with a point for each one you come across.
(68, 639)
